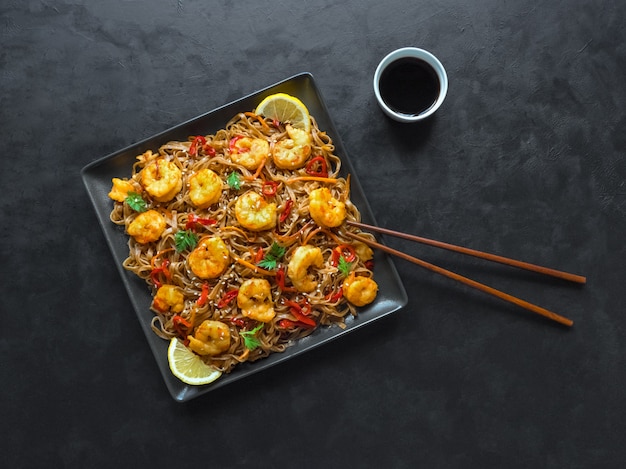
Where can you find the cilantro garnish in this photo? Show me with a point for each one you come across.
(250, 340)
(270, 260)
(136, 202)
(185, 239)
(234, 181)
(344, 266)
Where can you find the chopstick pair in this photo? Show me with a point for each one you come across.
(467, 281)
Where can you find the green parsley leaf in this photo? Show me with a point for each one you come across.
(185, 239)
(277, 251)
(268, 263)
(344, 266)
(273, 256)
(136, 202)
(250, 340)
(234, 181)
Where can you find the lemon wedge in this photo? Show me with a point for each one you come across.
(189, 367)
(285, 108)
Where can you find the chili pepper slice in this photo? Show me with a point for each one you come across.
(269, 188)
(238, 322)
(163, 268)
(181, 325)
(227, 298)
(317, 167)
(193, 221)
(193, 148)
(287, 211)
(154, 275)
(204, 295)
(208, 149)
(232, 145)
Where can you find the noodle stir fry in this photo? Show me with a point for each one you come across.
(241, 237)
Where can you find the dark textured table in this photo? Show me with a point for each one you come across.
(524, 159)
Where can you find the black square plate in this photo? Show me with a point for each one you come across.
(97, 179)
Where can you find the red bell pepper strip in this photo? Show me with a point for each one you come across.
(305, 307)
(317, 167)
(204, 295)
(163, 268)
(343, 250)
(296, 310)
(258, 257)
(181, 325)
(281, 280)
(227, 298)
(288, 324)
(269, 188)
(193, 221)
(334, 297)
(286, 211)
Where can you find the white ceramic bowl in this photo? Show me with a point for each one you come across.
(419, 54)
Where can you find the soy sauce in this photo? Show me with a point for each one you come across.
(409, 86)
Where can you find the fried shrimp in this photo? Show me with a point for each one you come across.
(205, 188)
(162, 179)
(325, 210)
(254, 213)
(255, 300)
(169, 298)
(292, 152)
(249, 152)
(303, 258)
(147, 227)
(359, 290)
(364, 252)
(120, 189)
(210, 258)
(211, 338)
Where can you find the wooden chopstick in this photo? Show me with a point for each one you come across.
(467, 281)
(472, 252)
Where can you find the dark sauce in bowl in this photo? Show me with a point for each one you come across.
(409, 86)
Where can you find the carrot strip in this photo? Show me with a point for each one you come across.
(257, 172)
(260, 119)
(311, 234)
(256, 269)
(157, 255)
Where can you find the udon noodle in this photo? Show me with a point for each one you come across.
(185, 296)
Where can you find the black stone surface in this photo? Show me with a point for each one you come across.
(525, 159)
